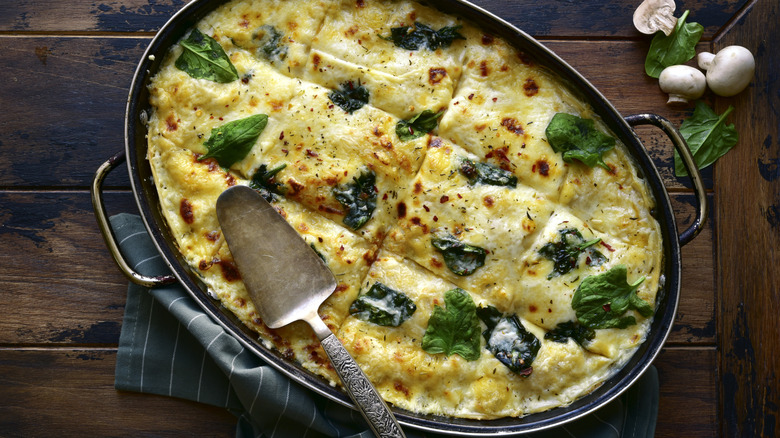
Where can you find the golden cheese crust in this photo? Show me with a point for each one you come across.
(523, 242)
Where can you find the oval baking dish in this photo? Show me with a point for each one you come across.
(149, 206)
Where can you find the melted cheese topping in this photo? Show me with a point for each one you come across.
(496, 103)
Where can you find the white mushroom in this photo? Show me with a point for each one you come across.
(683, 83)
(729, 71)
(654, 15)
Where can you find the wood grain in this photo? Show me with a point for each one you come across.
(749, 238)
(557, 17)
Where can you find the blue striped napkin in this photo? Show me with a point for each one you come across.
(169, 346)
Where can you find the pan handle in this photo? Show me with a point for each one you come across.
(108, 235)
(690, 165)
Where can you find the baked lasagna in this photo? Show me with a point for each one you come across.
(494, 244)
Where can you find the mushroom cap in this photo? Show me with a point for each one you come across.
(730, 71)
(682, 82)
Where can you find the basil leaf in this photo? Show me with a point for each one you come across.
(675, 49)
(203, 58)
(349, 97)
(420, 36)
(418, 125)
(232, 141)
(565, 252)
(359, 198)
(483, 173)
(509, 341)
(578, 139)
(601, 300)
(708, 136)
(263, 181)
(454, 329)
(382, 305)
(462, 258)
(571, 329)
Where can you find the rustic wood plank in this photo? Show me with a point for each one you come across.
(748, 215)
(60, 284)
(71, 393)
(688, 397)
(69, 99)
(72, 389)
(555, 18)
(63, 287)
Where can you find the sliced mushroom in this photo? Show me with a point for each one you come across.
(729, 71)
(654, 15)
(683, 83)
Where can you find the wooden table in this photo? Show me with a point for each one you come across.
(66, 70)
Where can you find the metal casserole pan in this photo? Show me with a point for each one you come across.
(149, 206)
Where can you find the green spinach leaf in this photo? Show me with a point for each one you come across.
(509, 341)
(578, 139)
(483, 173)
(708, 136)
(264, 182)
(349, 97)
(601, 300)
(420, 36)
(571, 329)
(270, 42)
(384, 306)
(462, 258)
(232, 141)
(565, 253)
(203, 58)
(675, 49)
(418, 125)
(455, 328)
(359, 198)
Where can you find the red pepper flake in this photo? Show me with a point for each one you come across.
(311, 153)
(606, 245)
(281, 135)
(425, 207)
(436, 219)
(495, 99)
(401, 210)
(443, 199)
(384, 197)
(607, 308)
(471, 96)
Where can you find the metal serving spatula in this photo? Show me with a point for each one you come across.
(287, 281)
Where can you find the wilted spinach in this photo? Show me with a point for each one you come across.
(571, 329)
(349, 97)
(384, 306)
(708, 136)
(270, 42)
(565, 252)
(601, 300)
(264, 182)
(453, 329)
(359, 198)
(461, 258)
(675, 49)
(509, 341)
(232, 141)
(483, 173)
(203, 58)
(418, 125)
(420, 36)
(578, 139)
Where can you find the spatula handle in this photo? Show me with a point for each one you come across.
(360, 389)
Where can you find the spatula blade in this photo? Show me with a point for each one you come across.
(285, 278)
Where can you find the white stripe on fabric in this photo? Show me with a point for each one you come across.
(284, 409)
(617, 432)
(137, 233)
(230, 376)
(260, 385)
(146, 342)
(146, 260)
(194, 318)
(203, 362)
(174, 301)
(173, 358)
